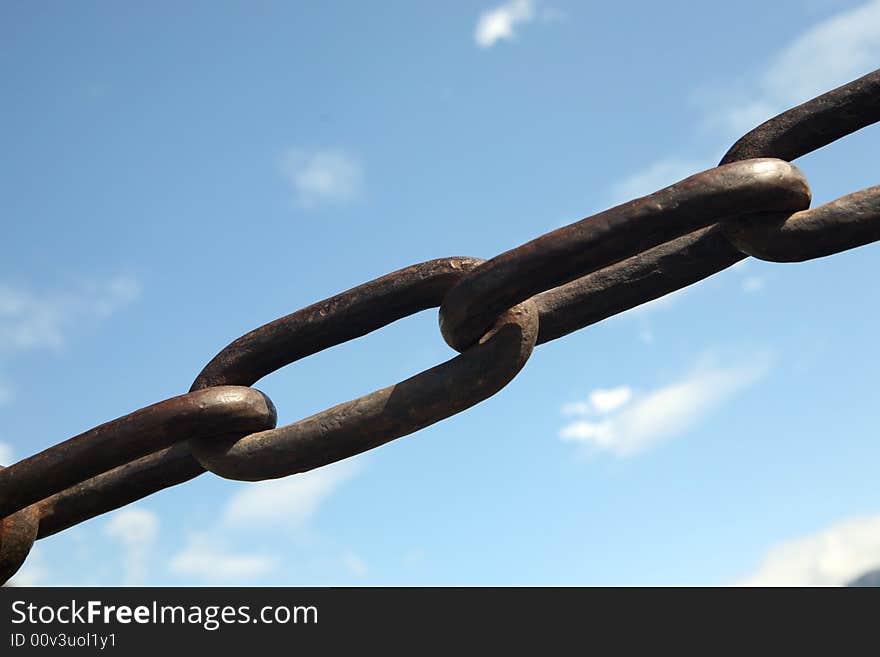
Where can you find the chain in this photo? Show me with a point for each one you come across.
(494, 313)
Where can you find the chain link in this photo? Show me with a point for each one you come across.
(579, 249)
(233, 410)
(755, 203)
(383, 415)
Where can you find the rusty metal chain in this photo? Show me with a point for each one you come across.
(755, 203)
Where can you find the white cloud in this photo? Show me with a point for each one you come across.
(753, 284)
(289, 503)
(136, 529)
(106, 298)
(665, 412)
(207, 559)
(321, 177)
(500, 23)
(6, 454)
(31, 320)
(831, 557)
(292, 501)
(600, 401)
(354, 564)
(606, 401)
(831, 53)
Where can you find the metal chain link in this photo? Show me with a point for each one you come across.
(381, 416)
(755, 203)
(579, 249)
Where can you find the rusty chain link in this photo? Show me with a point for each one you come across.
(582, 248)
(755, 203)
(369, 421)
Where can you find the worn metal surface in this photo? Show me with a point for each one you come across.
(494, 312)
(342, 317)
(17, 535)
(381, 416)
(846, 223)
(634, 281)
(813, 124)
(114, 489)
(691, 258)
(206, 413)
(611, 236)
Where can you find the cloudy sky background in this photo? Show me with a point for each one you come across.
(177, 174)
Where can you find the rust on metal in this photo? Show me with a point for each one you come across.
(846, 223)
(206, 413)
(634, 281)
(493, 312)
(614, 235)
(116, 488)
(814, 124)
(378, 417)
(18, 532)
(342, 317)
(384, 415)
(693, 257)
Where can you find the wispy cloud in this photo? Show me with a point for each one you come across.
(600, 401)
(290, 502)
(354, 564)
(830, 53)
(658, 175)
(500, 23)
(831, 557)
(631, 423)
(645, 312)
(827, 55)
(753, 284)
(323, 177)
(207, 559)
(33, 320)
(6, 453)
(136, 529)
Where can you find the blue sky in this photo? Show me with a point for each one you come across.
(176, 174)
